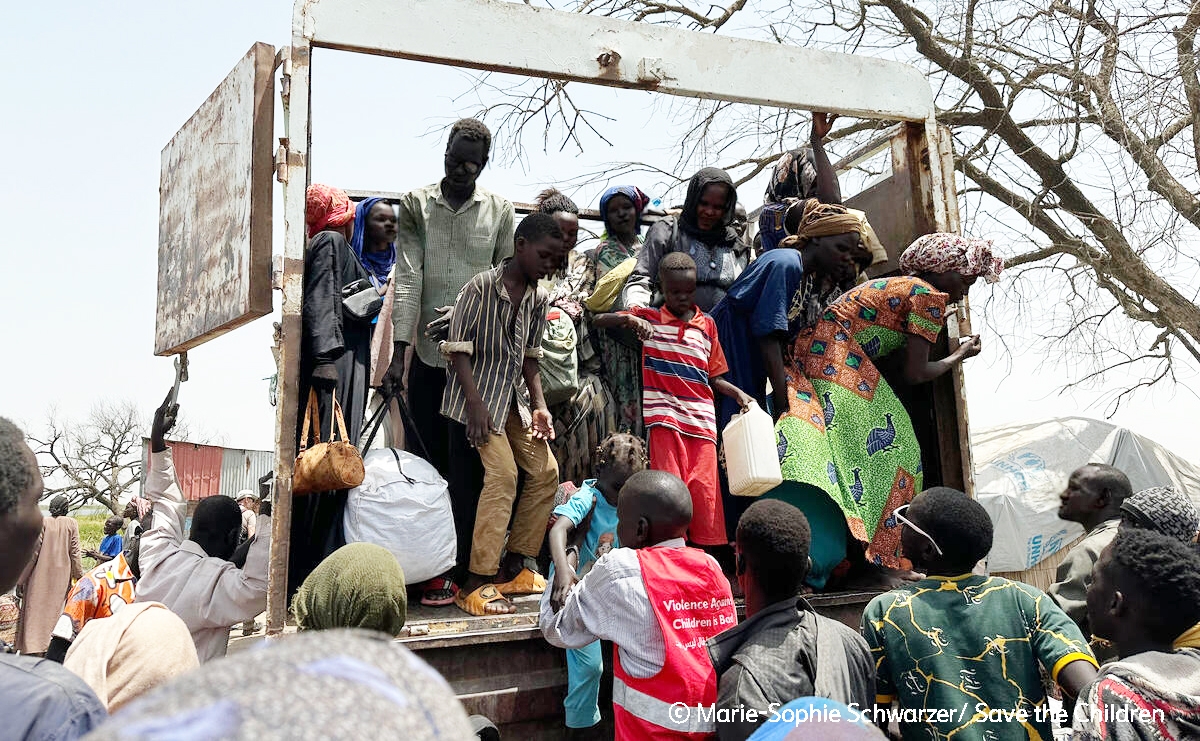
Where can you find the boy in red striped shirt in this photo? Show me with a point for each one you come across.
(682, 364)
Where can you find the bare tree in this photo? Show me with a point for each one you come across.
(97, 460)
(1077, 135)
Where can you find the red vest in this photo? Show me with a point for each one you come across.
(692, 602)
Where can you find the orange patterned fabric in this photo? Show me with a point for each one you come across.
(98, 594)
(835, 351)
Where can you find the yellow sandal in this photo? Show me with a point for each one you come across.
(526, 582)
(476, 602)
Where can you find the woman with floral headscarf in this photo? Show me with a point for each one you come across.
(798, 174)
(620, 357)
(350, 250)
(847, 447)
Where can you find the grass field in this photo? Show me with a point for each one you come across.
(91, 531)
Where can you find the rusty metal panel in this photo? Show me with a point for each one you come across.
(214, 229)
(241, 469)
(197, 468)
(889, 205)
(541, 42)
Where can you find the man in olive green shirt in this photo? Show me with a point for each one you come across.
(447, 233)
(1092, 498)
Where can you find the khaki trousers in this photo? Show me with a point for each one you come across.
(501, 457)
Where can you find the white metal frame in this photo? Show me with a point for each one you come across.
(518, 38)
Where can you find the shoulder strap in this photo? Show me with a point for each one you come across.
(400, 466)
(830, 673)
(373, 424)
(336, 425)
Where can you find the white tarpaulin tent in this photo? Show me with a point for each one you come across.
(1022, 469)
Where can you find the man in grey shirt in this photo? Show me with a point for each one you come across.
(784, 650)
(1092, 498)
(447, 233)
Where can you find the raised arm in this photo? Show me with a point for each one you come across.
(828, 190)
(166, 528)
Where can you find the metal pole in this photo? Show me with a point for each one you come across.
(294, 175)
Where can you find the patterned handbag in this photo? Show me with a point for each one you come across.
(329, 466)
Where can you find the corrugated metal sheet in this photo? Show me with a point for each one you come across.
(206, 470)
(241, 469)
(198, 468)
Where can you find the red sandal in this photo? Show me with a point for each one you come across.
(439, 584)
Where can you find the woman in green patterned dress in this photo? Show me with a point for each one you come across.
(847, 447)
(620, 356)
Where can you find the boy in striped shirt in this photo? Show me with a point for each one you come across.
(682, 365)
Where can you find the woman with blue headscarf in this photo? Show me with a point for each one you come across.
(374, 238)
(620, 356)
(346, 256)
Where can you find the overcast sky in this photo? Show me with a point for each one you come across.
(93, 91)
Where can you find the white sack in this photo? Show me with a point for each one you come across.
(403, 505)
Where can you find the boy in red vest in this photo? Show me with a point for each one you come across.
(658, 601)
(682, 366)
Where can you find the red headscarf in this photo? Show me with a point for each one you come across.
(326, 206)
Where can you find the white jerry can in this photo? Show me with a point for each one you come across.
(751, 459)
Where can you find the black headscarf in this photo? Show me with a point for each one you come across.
(723, 232)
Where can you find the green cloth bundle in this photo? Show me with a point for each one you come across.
(360, 585)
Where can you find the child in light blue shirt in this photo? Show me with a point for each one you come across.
(589, 521)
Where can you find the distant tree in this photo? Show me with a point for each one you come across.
(97, 460)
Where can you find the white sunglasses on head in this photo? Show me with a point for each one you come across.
(898, 513)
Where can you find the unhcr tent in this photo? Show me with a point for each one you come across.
(1020, 471)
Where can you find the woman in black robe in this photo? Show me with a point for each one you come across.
(705, 231)
(346, 246)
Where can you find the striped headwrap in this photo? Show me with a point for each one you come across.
(1163, 509)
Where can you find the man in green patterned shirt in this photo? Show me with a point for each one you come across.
(447, 233)
(959, 652)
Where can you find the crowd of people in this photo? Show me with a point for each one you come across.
(672, 335)
(449, 303)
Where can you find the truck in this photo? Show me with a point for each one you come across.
(215, 251)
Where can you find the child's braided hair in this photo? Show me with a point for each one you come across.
(623, 448)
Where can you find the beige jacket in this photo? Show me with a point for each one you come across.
(46, 582)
